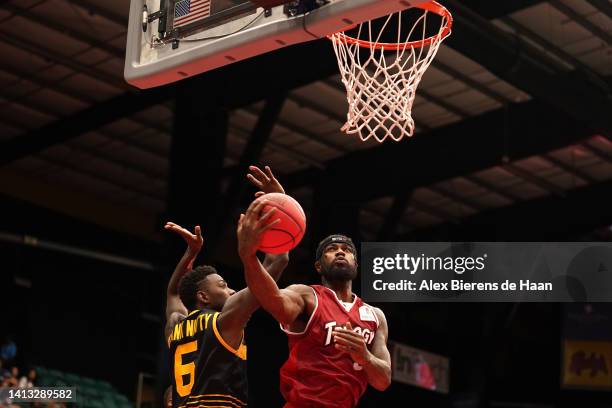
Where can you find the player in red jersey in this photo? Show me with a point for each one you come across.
(337, 342)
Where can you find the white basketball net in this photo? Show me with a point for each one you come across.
(381, 89)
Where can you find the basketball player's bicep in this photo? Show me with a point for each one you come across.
(175, 305)
(239, 307)
(290, 305)
(276, 264)
(379, 346)
(172, 320)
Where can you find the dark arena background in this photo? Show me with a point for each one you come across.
(512, 143)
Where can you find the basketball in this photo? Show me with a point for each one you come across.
(288, 233)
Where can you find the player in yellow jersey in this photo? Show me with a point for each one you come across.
(205, 321)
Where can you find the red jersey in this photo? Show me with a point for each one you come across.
(317, 374)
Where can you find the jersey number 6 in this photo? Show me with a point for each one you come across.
(181, 369)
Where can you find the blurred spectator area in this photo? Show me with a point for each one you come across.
(90, 392)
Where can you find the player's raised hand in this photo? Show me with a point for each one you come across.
(264, 181)
(252, 225)
(347, 340)
(194, 241)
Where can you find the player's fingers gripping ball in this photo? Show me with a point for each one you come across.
(286, 234)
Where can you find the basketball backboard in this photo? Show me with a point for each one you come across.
(169, 40)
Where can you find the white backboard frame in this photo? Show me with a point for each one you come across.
(148, 66)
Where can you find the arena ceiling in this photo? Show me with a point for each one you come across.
(516, 109)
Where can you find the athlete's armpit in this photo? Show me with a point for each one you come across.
(295, 302)
(173, 319)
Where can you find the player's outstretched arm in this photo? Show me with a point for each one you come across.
(376, 363)
(285, 305)
(175, 309)
(267, 183)
(239, 307)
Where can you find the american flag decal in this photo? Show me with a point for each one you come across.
(189, 11)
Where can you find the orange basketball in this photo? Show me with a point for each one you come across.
(288, 233)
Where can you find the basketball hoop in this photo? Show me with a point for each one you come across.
(381, 88)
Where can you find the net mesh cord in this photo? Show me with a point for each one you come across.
(381, 88)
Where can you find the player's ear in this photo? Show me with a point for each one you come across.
(318, 266)
(203, 297)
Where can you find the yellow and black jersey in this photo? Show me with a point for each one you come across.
(207, 372)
